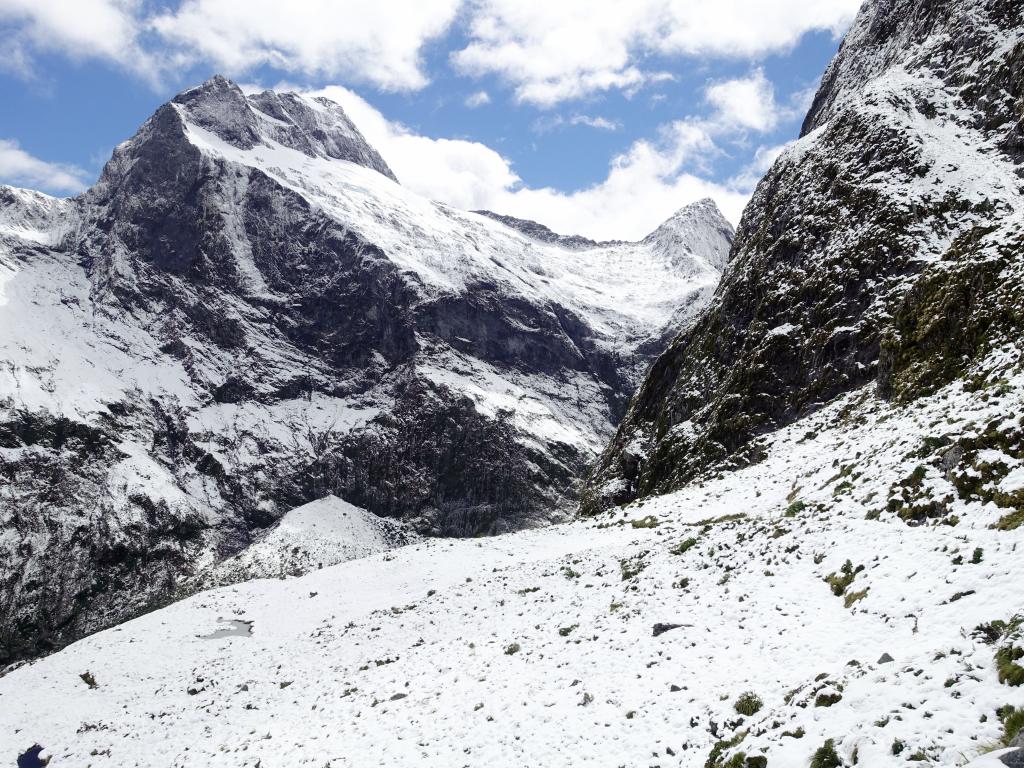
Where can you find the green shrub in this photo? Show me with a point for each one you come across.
(827, 699)
(683, 546)
(795, 508)
(826, 756)
(1013, 721)
(840, 581)
(748, 704)
(1010, 672)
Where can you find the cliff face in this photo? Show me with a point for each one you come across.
(248, 312)
(883, 246)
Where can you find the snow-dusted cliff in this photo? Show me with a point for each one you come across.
(882, 246)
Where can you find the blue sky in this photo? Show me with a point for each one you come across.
(596, 117)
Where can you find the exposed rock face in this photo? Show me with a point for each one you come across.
(248, 312)
(885, 245)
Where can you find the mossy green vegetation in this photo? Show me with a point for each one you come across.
(715, 757)
(1009, 671)
(844, 578)
(684, 546)
(748, 704)
(1012, 719)
(826, 756)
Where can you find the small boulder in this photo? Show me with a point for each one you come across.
(885, 658)
(660, 629)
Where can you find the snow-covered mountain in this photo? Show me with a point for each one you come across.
(248, 312)
(802, 547)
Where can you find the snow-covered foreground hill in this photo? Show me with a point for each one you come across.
(628, 639)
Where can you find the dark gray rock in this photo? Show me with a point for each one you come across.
(660, 629)
(1013, 759)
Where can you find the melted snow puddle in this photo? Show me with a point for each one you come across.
(234, 628)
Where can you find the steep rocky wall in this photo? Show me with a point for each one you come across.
(867, 249)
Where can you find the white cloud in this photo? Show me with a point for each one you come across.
(553, 51)
(764, 157)
(19, 168)
(601, 123)
(548, 51)
(746, 103)
(103, 29)
(477, 99)
(378, 43)
(644, 186)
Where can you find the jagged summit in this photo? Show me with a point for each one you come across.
(699, 229)
(315, 126)
(676, 235)
(963, 44)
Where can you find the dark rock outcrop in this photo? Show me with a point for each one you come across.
(884, 246)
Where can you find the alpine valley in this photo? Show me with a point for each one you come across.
(298, 467)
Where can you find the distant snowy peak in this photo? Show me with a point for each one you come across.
(30, 215)
(317, 127)
(699, 229)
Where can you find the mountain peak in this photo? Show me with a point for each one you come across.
(219, 106)
(315, 126)
(699, 228)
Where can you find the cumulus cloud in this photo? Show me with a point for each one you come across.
(547, 51)
(746, 103)
(378, 43)
(102, 29)
(21, 169)
(551, 52)
(643, 187)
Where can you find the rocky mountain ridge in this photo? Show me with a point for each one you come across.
(882, 246)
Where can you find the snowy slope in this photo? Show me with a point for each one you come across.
(542, 647)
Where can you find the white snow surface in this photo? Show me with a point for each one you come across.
(537, 648)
